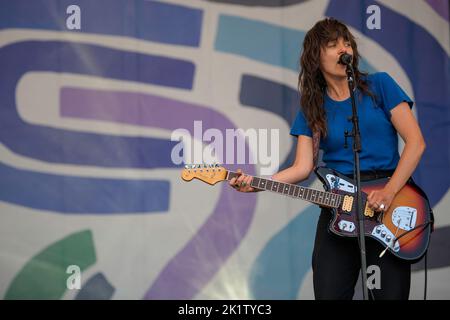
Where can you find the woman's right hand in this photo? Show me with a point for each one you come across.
(242, 182)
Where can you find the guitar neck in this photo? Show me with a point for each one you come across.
(322, 198)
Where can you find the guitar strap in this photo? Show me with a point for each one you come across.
(316, 143)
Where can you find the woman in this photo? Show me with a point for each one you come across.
(384, 110)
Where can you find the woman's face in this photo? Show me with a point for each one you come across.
(329, 57)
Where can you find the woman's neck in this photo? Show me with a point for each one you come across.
(337, 89)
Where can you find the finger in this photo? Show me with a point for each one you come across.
(235, 186)
(232, 181)
(240, 179)
(238, 174)
(373, 204)
(383, 206)
(370, 197)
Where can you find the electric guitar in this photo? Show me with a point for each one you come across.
(404, 229)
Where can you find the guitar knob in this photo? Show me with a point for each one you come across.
(388, 238)
(383, 234)
(378, 229)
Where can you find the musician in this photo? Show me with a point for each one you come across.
(384, 110)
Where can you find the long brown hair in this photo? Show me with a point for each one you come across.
(311, 82)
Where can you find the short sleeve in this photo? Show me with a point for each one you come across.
(300, 127)
(391, 93)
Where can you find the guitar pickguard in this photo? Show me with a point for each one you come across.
(338, 183)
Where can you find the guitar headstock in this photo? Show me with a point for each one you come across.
(209, 173)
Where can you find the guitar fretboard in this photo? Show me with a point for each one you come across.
(321, 198)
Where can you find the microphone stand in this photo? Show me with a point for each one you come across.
(356, 173)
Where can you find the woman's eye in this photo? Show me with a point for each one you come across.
(347, 44)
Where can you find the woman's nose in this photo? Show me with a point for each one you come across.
(342, 49)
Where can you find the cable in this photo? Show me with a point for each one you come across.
(426, 277)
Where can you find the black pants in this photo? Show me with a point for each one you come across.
(336, 266)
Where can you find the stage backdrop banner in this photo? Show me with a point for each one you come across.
(102, 103)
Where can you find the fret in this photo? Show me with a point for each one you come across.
(333, 200)
(280, 187)
(327, 199)
(312, 195)
(297, 189)
(261, 183)
(302, 193)
(285, 188)
(275, 186)
(320, 197)
(309, 194)
(255, 182)
(291, 190)
(269, 184)
(336, 200)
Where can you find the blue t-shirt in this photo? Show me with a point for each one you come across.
(379, 142)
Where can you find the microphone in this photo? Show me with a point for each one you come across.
(345, 59)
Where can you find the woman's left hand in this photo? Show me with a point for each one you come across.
(380, 200)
